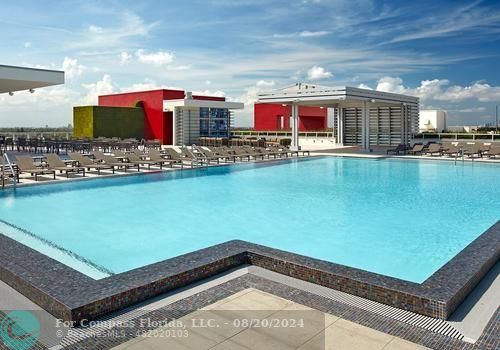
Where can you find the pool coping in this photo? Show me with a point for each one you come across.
(70, 295)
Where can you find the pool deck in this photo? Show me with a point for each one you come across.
(250, 293)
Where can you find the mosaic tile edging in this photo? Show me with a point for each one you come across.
(487, 341)
(71, 295)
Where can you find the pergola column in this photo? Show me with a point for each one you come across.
(365, 125)
(340, 125)
(295, 127)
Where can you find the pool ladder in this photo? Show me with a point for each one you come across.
(461, 155)
(7, 163)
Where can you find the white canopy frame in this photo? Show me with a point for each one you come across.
(342, 98)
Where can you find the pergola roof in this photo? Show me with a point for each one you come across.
(315, 95)
(21, 78)
(169, 105)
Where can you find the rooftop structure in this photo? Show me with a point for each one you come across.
(14, 78)
(361, 116)
(177, 117)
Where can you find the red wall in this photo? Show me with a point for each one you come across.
(267, 117)
(157, 124)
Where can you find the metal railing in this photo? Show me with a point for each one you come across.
(458, 136)
(8, 163)
(282, 133)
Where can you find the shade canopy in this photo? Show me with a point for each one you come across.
(21, 78)
(362, 116)
(315, 95)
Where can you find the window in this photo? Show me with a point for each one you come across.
(214, 122)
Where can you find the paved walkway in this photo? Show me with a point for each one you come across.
(276, 324)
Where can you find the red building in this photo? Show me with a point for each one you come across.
(269, 116)
(158, 124)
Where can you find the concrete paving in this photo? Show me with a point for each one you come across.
(276, 323)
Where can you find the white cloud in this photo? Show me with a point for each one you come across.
(179, 68)
(27, 44)
(101, 87)
(364, 86)
(72, 68)
(316, 73)
(96, 37)
(158, 58)
(302, 34)
(125, 57)
(95, 29)
(469, 110)
(439, 90)
(217, 93)
(264, 83)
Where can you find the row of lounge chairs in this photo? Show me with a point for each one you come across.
(194, 156)
(475, 150)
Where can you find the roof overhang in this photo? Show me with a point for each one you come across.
(169, 105)
(332, 96)
(21, 78)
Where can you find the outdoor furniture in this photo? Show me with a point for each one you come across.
(452, 150)
(417, 148)
(156, 156)
(109, 160)
(87, 163)
(471, 150)
(494, 151)
(433, 149)
(55, 163)
(174, 155)
(25, 164)
(401, 148)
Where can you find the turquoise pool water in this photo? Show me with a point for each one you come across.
(399, 218)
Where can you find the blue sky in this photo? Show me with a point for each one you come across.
(445, 52)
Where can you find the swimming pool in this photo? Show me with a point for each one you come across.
(403, 219)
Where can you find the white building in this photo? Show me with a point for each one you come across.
(432, 120)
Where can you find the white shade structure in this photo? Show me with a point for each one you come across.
(361, 116)
(21, 78)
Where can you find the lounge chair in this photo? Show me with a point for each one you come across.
(25, 164)
(280, 151)
(240, 153)
(174, 155)
(132, 158)
(433, 149)
(471, 150)
(401, 148)
(209, 155)
(88, 164)
(55, 163)
(416, 149)
(109, 160)
(224, 153)
(266, 153)
(155, 156)
(452, 150)
(494, 151)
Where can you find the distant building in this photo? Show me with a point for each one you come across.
(463, 128)
(432, 120)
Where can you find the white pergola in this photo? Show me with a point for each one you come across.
(14, 79)
(345, 99)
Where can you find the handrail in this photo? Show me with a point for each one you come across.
(9, 164)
